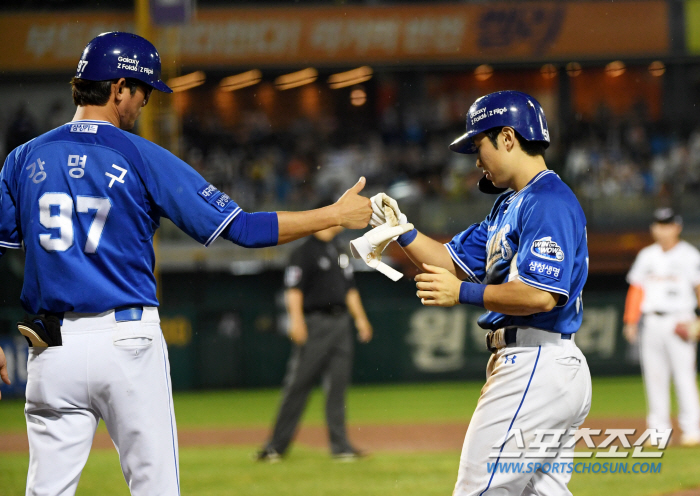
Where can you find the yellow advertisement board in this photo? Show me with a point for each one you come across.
(692, 26)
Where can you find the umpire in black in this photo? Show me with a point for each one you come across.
(321, 299)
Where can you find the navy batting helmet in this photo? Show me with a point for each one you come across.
(503, 108)
(121, 55)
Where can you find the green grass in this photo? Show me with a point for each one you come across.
(226, 471)
(678, 471)
(307, 471)
(384, 404)
(618, 397)
(441, 402)
(435, 402)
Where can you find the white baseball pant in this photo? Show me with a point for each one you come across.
(109, 370)
(665, 355)
(539, 382)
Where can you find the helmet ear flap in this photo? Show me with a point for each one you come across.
(487, 186)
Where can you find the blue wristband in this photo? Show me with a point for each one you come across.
(407, 238)
(472, 294)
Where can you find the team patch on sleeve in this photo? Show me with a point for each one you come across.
(543, 269)
(547, 249)
(214, 197)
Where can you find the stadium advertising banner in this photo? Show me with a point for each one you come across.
(230, 331)
(426, 34)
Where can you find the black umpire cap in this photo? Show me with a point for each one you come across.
(667, 216)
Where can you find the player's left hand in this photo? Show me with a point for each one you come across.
(3, 369)
(437, 287)
(688, 331)
(681, 330)
(364, 330)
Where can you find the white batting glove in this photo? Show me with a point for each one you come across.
(391, 221)
(379, 203)
(370, 247)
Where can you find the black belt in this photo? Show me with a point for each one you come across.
(328, 310)
(510, 335)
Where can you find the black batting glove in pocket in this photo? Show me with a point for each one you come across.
(41, 331)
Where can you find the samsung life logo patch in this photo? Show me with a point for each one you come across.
(547, 249)
(221, 202)
(84, 128)
(214, 197)
(543, 269)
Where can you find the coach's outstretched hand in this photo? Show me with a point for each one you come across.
(3, 369)
(355, 210)
(351, 211)
(437, 287)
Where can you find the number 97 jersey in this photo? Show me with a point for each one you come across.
(86, 199)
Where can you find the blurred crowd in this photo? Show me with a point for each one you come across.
(621, 157)
(405, 152)
(321, 157)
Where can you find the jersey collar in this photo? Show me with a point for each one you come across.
(532, 181)
(91, 121)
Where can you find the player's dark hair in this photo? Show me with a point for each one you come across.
(97, 92)
(532, 148)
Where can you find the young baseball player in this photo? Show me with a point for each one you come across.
(84, 200)
(526, 265)
(662, 298)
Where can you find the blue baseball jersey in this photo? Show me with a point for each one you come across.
(85, 200)
(536, 235)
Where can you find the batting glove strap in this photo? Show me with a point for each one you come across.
(472, 294)
(369, 247)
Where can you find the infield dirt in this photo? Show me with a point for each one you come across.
(396, 437)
